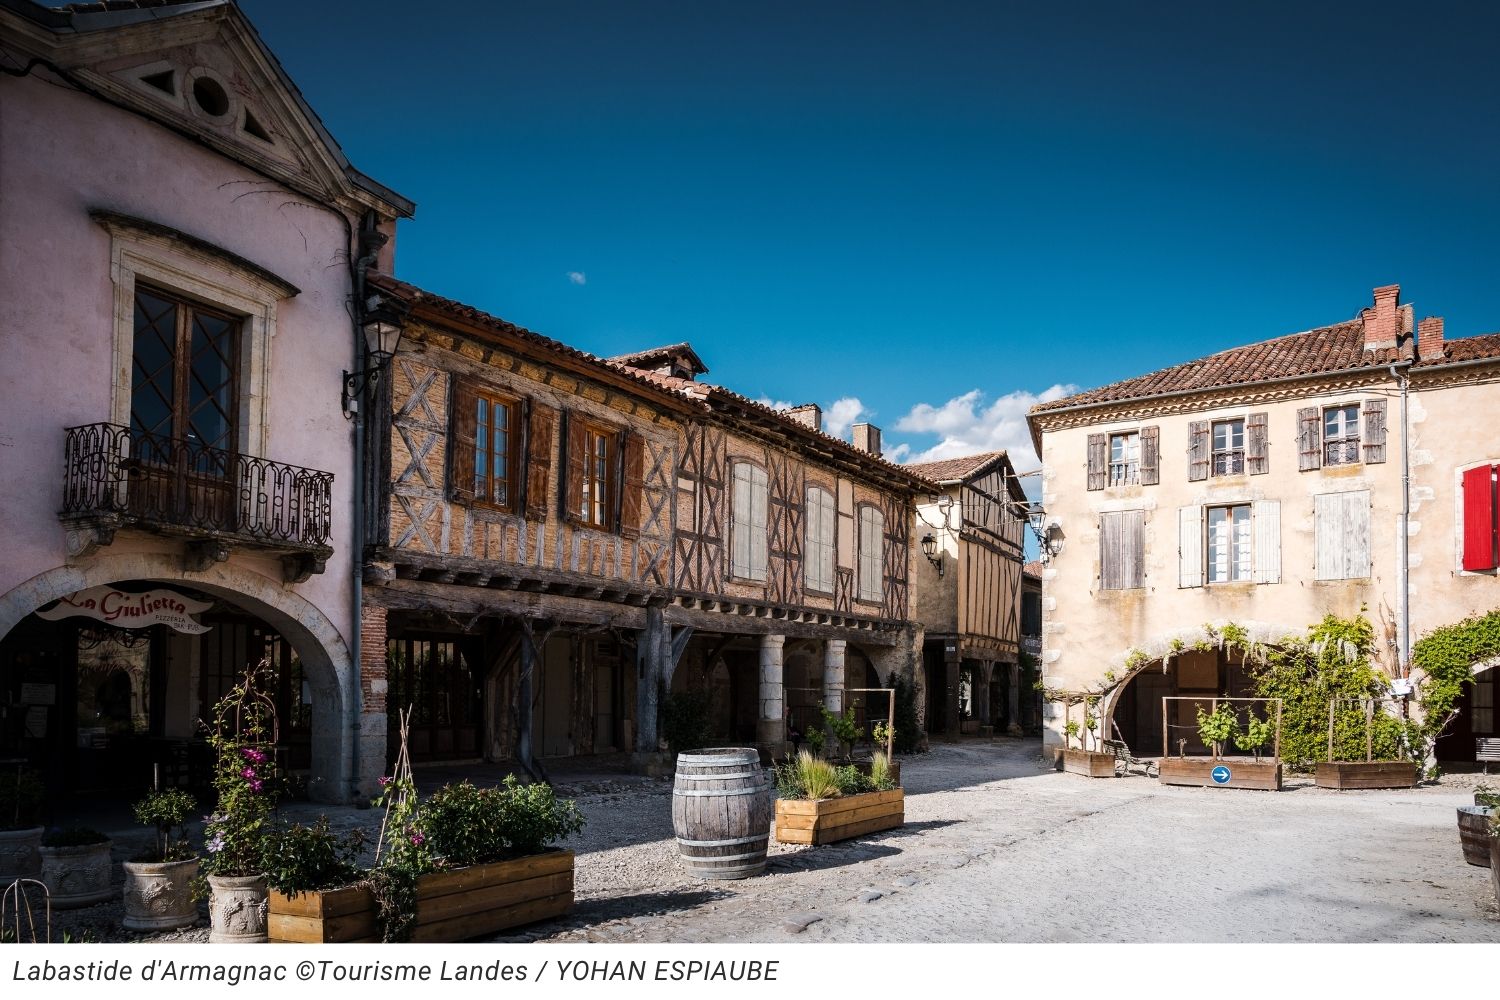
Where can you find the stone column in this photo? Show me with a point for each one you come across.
(373, 687)
(770, 730)
(1015, 699)
(982, 679)
(833, 675)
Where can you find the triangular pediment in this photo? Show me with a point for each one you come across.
(204, 72)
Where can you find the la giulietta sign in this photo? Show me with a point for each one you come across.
(123, 609)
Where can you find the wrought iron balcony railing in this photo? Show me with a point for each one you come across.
(169, 483)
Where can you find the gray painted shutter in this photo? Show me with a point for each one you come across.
(1098, 460)
(1356, 544)
(1121, 555)
(1342, 526)
(1190, 547)
(1374, 431)
(739, 558)
(1199, 450)
(1257, 445)
(1267, 517)
(1135, 545)
(1309, 439)
(758, 539)
(1110, 555)
(1150, 455)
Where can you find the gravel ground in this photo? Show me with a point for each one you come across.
(998, 848)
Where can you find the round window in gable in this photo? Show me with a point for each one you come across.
(210, 97)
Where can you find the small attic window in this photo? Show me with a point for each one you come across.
(210, 97)
(165, 81)
(254, 128)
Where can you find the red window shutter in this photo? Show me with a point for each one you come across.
(1479, 518)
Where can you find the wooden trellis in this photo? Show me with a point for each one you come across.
(1213, 702)
(1368, 704)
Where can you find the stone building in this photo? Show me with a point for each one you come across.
(564, 540)
(968, 592)
(181, 241)
(1263, 485)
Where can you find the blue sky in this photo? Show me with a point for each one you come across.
(923, 214)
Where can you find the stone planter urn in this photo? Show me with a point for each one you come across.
(159, 895)
(237, 909)
(20, 854)
(78, 875)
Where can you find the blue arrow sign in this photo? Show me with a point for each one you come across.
(1221, 775)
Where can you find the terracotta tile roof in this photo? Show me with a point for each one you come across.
(657, 356)
(1323, 351)
(704, 394)
(949, 470)
(1033, 568)
(1482, 347)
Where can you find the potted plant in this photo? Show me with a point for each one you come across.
(1495, 857)
(818, 803)
(21, 795)
(159, 882)
(1217, 728)
(76, 867)
(1474, 825)
(242, 736)
(1081, 759)
(845, 729)
(1382, 765)
(465, 863)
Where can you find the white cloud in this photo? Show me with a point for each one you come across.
(578, 277)
(967, 424)
(775, 404)
(843, 414)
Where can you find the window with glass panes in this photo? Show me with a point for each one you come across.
(1125, 459)
(1229, 447)
(1228, 550)
(598, 463)
(1341, 434)
(494, 451)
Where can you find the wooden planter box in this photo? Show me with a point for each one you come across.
(451, 906)
(822, 821)
(863, 763)
(1366, 774)
(1089, 763)
(1200, 771)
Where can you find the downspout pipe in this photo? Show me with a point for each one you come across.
(1401, 373)
(369, 243)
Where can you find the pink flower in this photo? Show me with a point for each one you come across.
(417, 839)
(256, 786)
(248, 774)
(384, 781)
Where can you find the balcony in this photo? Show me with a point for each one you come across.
(115, 478)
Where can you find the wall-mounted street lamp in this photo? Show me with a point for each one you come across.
(1052, 541)
(384, 322)
(929, 549)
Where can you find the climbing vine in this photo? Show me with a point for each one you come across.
(1446, 658)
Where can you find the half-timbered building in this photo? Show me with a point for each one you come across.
(971, 533)
(565, 540)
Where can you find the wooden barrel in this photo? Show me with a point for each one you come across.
(721, 812)
(1474, 831)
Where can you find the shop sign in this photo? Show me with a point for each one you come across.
(126, 610)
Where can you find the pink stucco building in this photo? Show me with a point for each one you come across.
(181, 245)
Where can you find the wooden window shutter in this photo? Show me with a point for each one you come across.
(1135, 548)
(739, 533)
(633, 491)
(573, 458)
(1479, 519)
(1150, 455)
(759, 536)
(1357, 535)
(1342, 529)
(1121, 544)
(1190, 547)
(538, 459)
(1374, 431)
(463, 421)
(1266, 514)
(1257, 445)
(1098, 460)
(1200, 450)
(1309, 439)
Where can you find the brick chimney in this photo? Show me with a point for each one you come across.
(1381, 320)
(867, 438)
(1430, 338)
(810, 414)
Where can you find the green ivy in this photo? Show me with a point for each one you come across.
(1446, 659)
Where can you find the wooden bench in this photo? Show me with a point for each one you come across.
(1123, 756)
(1487, 751)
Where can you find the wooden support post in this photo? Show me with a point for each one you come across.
(1333, 704)
(1369, 729)
(526, 703)
(648, 658)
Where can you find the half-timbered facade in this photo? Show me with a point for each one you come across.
(565, 540)
(969, 591)
(181, 237)
(1267, 486)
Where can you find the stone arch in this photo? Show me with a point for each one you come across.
(325, 657)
